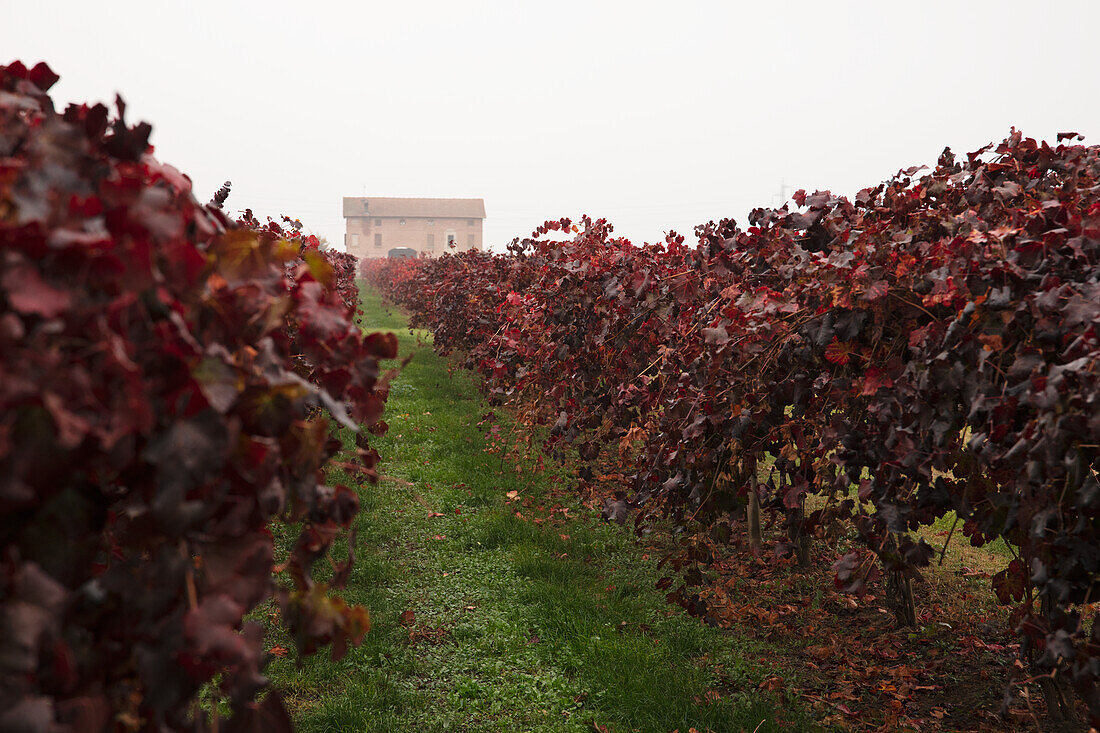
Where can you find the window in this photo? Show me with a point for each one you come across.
(431, 241)
(470, 240)
(450, 240)
(401, 222)
(378, 222)
(377, 240)
(355, 241)
(470, 222)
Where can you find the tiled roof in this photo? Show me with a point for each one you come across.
(425, 208)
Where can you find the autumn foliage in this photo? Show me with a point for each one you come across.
(858, 367)
(169, 384)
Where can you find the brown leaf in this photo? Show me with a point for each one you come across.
(772, 684)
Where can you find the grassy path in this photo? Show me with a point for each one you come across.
(515, 624)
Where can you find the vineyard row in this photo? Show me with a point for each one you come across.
(859, 366)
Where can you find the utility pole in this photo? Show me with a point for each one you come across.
(782, 195)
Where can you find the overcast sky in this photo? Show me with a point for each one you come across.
(656, 116)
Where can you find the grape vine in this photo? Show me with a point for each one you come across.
(169, 384)
(862, 365)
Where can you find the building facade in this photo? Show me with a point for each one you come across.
(375, 227)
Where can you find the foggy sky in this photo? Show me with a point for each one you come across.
(656, 116)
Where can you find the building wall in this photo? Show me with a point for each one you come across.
(418, 233)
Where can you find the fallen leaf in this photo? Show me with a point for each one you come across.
(424, 633)
(773, 683)
(408, 618)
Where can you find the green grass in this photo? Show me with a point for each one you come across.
(545, 628)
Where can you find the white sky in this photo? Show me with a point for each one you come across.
(655, 115)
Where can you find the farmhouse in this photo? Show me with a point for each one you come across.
(375, 227)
